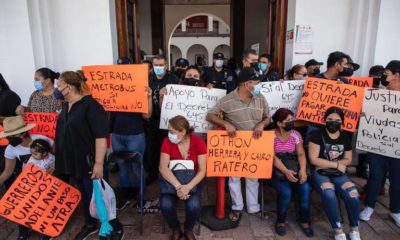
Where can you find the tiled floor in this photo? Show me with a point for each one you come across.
(251, 227)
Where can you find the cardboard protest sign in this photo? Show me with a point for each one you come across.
(284, 94)
(119, 88)
(40, 201)
(3, 141)
(241, 156)
(191, 102)
(320, 94)
(45, 123)
(379, 130)
(361, 81)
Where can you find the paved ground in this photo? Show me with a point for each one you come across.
(251, 227)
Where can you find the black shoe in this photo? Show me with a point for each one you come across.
(121, 205)
(115, 235)
(280, 229)
(86, 231)
(308, 231)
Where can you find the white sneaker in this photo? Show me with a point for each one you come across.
(341, 236)
(396, 218)
(355, 235)
(365, 214)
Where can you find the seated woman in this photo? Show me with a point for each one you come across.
(330, 153)
(290, 171)
(182, 144)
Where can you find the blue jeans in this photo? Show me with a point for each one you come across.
(378, 165)
(192, 209)
(285, 190)
(326, 187)
(133, 143)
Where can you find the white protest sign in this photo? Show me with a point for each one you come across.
(379, 130)
(191, 102)
(286, 94)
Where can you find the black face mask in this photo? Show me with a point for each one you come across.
(316, 71)
(333, 126)
(254, 65)
(289, 126)
(384, 82)
(14, 141)
(347, 72)
(376, 82)
(192, 81)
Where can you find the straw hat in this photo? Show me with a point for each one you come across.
(14, 126)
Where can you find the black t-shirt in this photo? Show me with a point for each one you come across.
(270, 76)
(127, 123)
(156, 85)
(76, 135)
(224, 79)
(335, 148)
(9, 101)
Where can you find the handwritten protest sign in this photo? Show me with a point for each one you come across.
(285, 94)
(242, 156)
(361, 81)
(45, 123)
(39, 201)
(119, 88)
(191, 102)
(319, 95)
(379, 130)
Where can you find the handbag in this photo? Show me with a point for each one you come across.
(183, 175)
(328, 172)
(291, 162)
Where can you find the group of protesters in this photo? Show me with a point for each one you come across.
(319, 154)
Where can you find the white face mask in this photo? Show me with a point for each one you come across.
(219, 63)
(173, 138)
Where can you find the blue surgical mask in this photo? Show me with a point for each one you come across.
(257, 89)
(173, 138)
(38, 85)
(58, 94)
(219, 63)
(263, 67)
(159, 71)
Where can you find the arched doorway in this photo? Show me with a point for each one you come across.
(197, 54)
(225, 49)
(175, 53)
(201, 32)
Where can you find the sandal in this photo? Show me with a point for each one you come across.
(235, 215)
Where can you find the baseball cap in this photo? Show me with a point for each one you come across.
(376, 70)
(247, 74)
(218, 55)
(393, 66)
(356, 66)
(312, 62)
(181, 62)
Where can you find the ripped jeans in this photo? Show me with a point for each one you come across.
(326, 186)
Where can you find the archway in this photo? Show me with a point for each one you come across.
(197, 54)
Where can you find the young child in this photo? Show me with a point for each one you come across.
(41, 156)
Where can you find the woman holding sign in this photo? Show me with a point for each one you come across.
(43, 99)
(81, 144)
(290, 171)
(181, 150)
(330, 153)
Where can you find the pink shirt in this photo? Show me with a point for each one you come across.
(290, 145)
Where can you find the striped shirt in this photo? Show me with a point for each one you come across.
(290, 145)
(240, 114)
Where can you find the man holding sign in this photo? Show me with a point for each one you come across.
(243, 109)
(378, 136)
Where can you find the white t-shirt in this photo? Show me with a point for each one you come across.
(22, 153)
(44, 164)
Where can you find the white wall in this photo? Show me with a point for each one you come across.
(16, 50)
(62, 35)
(388, 35)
